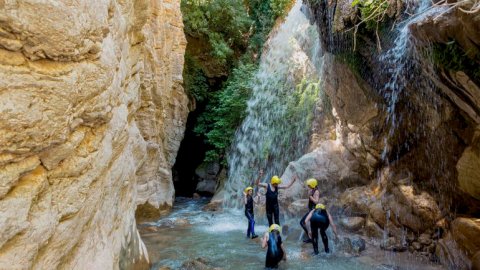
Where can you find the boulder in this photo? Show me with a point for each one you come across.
(358, 244)
(181, 222)
(206, 186)
(466, 232)
(298, 207)
(416, 211)
(372, 229)
(213, 205)
(352, 224)
(476, 261)
(388, 243)
(207, 170)
(450, 254)
(469, 173)
(417, 246)
(197, 264)
(357, 200)
(331, 164)
(425, 239)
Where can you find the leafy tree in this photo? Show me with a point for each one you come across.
(235, 32)
(226, 111)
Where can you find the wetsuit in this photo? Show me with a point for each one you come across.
(274, 252)
(311, 206)
(319, 221)
(250, 217)
(272, 205)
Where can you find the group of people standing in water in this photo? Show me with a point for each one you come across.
(316, 219)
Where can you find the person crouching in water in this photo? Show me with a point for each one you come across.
(313, 198)
(249, 200)
(271, 202)
(273, 242)
(320, 219)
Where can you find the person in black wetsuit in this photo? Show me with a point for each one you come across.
(271, 203)
(313, 198)
(249, 200)
(275, 252)
(320, 219)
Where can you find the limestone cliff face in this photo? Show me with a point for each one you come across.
(92, 112)
(415, 175)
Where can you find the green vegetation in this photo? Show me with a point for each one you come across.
(223, 23)
(194, 80)
(226, 111)
(279, 7)
(451, 56)
(300, 104)
(229, 36)
(372, 12)
(353, 60)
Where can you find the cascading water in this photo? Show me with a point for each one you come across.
(286, 87)
(405, 68)
(400, 61)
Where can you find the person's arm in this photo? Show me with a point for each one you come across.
(334, 228)
(289, 185)
(257, 182)
(245, 197)
(284, 252)
(307, 223)
(265, 240)
(316, 197)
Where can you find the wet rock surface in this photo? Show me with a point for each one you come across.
(352, 224)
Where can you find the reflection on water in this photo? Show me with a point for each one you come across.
(220, 239)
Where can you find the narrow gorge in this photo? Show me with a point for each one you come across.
(130, 129)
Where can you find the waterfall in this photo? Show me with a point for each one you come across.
(400, 61)
(280, 112)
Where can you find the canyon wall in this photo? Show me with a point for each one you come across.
(92, 112)
(398, 151)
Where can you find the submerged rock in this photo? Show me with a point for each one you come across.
(358, 244)
(198, 264)
(214, 205)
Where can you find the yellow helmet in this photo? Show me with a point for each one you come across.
(275, 227)
(275, 180)
(320, 206)
(312, 183)
(248, 189)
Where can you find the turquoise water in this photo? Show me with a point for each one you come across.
(219, 237)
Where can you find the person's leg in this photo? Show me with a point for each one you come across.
(304, 226)
(269, 261)
(249, 217)
(252, 226)
(276, 213)
(323, 233)
(278, 259)
(314, 228)
(269, 211)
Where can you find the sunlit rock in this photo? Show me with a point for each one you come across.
(352, 223)
(92, 112)
(469, 173)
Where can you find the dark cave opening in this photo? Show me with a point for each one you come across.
(190, 156)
